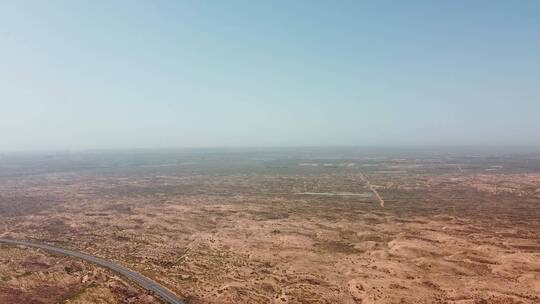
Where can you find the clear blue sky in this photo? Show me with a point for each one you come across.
(135, 74)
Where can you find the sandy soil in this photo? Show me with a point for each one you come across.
(226, 236)
(32, 276)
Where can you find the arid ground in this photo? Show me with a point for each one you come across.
(275, 226)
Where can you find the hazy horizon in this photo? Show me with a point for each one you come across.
(471, 150)
(81, 75)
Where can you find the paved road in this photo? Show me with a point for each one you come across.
(144, 282)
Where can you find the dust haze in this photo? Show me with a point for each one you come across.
(318, 225)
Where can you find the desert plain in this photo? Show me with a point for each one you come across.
(310, 225)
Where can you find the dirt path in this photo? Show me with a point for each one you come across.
(377, 195)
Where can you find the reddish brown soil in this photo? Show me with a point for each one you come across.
(245, 233)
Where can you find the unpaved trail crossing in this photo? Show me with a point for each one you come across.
(370, 186)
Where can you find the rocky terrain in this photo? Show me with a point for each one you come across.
(32, 276)
(275, 227)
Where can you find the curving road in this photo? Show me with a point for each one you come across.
(144, 282)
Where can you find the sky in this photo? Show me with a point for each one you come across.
(172, 74)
